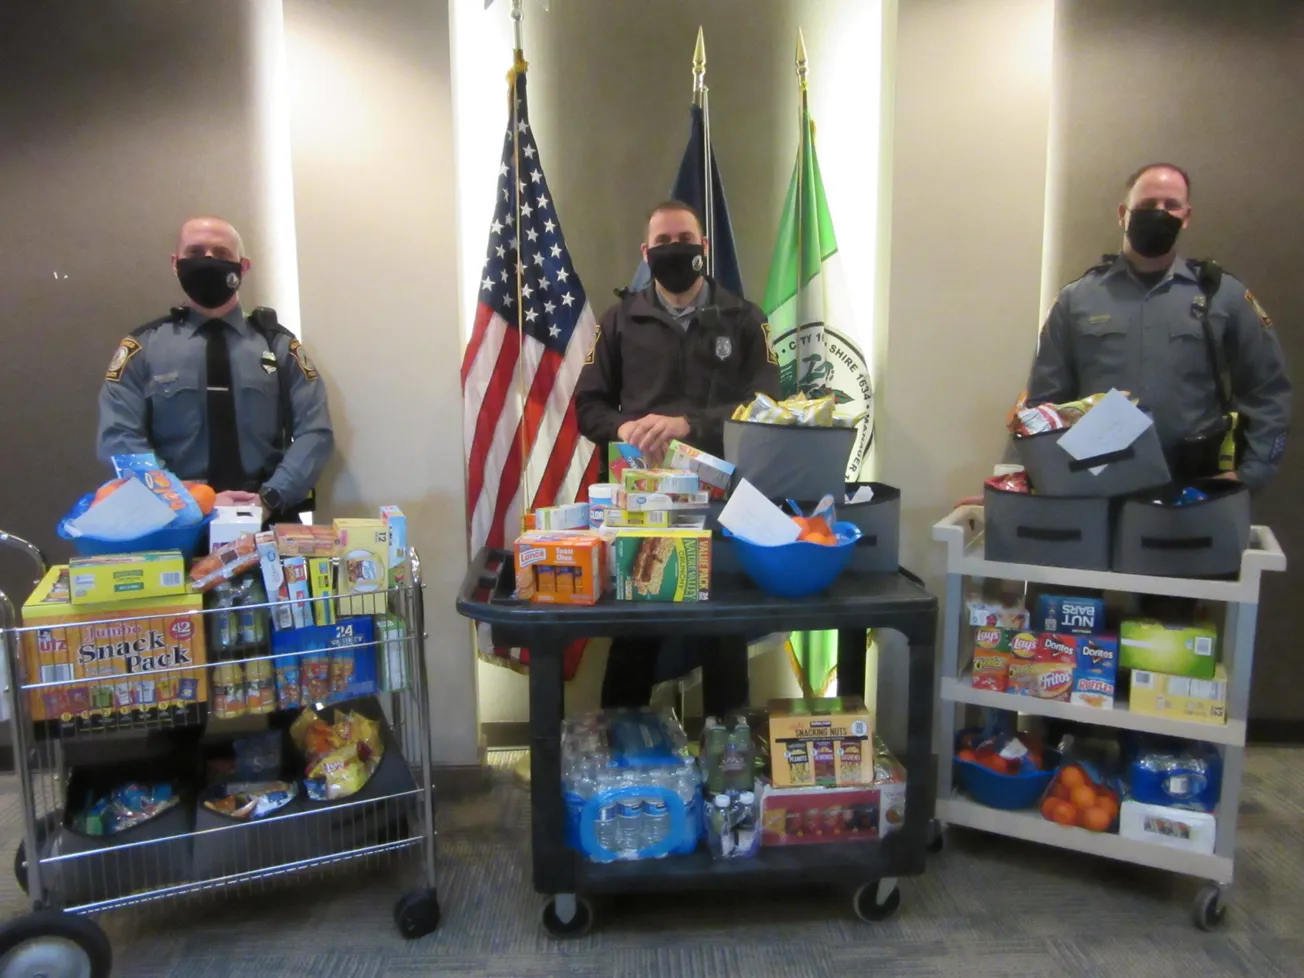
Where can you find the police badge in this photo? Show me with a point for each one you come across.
(723, 347)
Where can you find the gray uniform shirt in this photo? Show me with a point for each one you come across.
(684, 317)
(1107, 330)
(154, 399)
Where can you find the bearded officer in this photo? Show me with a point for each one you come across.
(220, 397)
(673, 362)
(1190, 342)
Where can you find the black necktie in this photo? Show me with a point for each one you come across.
(225, 470)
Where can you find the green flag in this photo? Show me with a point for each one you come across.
(810, 316)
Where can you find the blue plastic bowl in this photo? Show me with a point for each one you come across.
(796, 570)
(187, 539)
(1005, 791)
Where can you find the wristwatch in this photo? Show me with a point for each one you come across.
(272, 499)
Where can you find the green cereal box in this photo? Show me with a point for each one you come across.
(663, 565)
(1179, 650)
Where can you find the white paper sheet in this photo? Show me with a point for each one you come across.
(748, 514)
(128, 512)
(1110, 426)
(862, 495)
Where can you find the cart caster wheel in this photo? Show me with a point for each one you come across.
(415, 915)
(50, 944)
(1210, 910)
(44, 829)
(936, 838)
(579, 924)
(867, 906)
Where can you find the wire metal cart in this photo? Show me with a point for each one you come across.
(213, 678)
(962, 532)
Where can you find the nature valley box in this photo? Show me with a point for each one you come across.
(663, 565)
(145, 658)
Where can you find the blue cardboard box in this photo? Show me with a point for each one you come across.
(325, 663)
(1070, 615)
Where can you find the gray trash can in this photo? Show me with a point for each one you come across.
(789, 461)
(1054, 472)
(1202, 539)
(1021, 528)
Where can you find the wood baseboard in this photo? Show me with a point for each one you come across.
(1280, 732)
(505, 735)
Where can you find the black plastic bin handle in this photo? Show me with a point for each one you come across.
(1082, 464)
(1176, 543)
(1048, 536)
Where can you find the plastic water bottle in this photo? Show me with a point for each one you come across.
(629, 826)
(605, 827)
(656, 822)
(739, 759)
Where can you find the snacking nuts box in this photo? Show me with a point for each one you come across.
(820, 741)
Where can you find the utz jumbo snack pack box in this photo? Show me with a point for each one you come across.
(145, 668)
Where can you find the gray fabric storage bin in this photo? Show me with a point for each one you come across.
(1055, 531)
(1054, 472)
(1204, 539)
(879, 549)
(789, 461)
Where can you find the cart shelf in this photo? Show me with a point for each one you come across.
(961, 691)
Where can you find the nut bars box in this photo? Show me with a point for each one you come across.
(824, 741)
(127, 663)
(663, 565)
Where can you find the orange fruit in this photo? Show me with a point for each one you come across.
(1048, 808)
(1064, 813)
(1083, 797)
(996, 763)
(1095, 819)
(1061, 792)
(1108, 804)
(1072, 777)
(967, 755)
(204, 495)
(107, 489)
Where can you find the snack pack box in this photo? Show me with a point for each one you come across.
(1180, 697)
(296, 582)
(624, 519)
(856, 813)
(118, 577)
(1095, 672)
(820, 741)
(297, 540)
(991, 614)
(621, 456)
(1019, 644)
(362, 546)
(400, 569)
(991, 670)
(663, 565)
(1056, 648)
(121, 660)
(1043, 680)
(1179, 650)
(572, 516)
(659, 480)
(560, 567)
(643, 501)
(325, 663)
(1070, 615)
(714, 475)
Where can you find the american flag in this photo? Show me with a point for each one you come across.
(533, 329)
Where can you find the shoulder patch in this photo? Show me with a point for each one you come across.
(770, 355)
(1258, 309)
(301, 358)
(597, 335)
(127, 349)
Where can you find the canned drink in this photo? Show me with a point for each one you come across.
(251, 621)
(229, 691)
(223, 625)
(260, 687)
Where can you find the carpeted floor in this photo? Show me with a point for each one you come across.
(986, 907)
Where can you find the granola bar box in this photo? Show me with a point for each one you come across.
(142, 658)
(663, 565)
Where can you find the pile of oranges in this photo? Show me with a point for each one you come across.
(1073, 798)
(203, 495)
(815, 529)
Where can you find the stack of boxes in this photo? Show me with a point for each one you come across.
(1175, 672)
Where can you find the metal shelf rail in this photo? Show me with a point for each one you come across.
(962, 534)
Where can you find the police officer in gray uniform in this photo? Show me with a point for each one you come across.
(1190, 343)
(219, 397)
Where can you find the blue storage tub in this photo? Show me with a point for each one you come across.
(800, 569)
(187, 539)
(1005, 791)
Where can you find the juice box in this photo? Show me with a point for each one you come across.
(572, 516)
(560, 567)
(391, 638)
(1180, 697)
(400, 566)
(119, 577)
(1179, 650)
(297, 540)
(663, 565)
(1044, 680)
(659, 480)
(1070, 615)
(269, 559)
(714, 475)
(362, 546)
(123, 662)
(991, 670)
(824, 741)
(296, 582)
(321, 583)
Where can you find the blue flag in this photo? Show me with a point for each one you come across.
(690, 188)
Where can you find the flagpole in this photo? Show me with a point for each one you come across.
(518, 65)
(802, 116)
(702, 101)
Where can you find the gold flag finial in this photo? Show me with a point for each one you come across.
(699, 62)
(801, 60)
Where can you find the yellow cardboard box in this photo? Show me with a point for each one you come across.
(821, 741)
(138, 670)
(362, 546)
(126, 577)
(1158, 694)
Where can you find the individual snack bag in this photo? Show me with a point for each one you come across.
(340, 758)
(816, 413)
(1071, 412)
(251, 800)
(1011, 482)
(145, 468)
(1036, 420)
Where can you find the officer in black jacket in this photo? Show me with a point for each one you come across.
(673, 362)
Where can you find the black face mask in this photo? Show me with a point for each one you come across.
(676, 266)
(1153, 232)
(210, 282)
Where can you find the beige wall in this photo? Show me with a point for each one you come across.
(370, 122)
